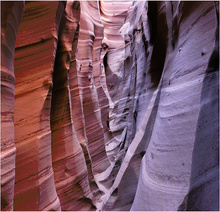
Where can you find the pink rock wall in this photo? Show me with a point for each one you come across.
(109, 105)
(11, 15)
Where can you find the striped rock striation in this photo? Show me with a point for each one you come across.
(11, 14)
(109, 105)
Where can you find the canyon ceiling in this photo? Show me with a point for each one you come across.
(109, 105)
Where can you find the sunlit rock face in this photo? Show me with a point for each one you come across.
(109, 105)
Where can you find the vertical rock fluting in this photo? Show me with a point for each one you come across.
(138, 84)
(165, 174)
(11, 14)
(88, 62)
(204, 189)
(113, 15)
(115, 105)
(69, 165)
(34, 60)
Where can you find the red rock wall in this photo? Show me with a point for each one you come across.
(36, 45)
(109, 105)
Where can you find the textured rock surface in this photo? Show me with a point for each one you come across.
(34, 60)
(11, 15)
(166, 167)
(109, 105)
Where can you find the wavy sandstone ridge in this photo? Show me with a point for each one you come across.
(109, 105)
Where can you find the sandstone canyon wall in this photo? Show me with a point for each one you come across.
(109, 105)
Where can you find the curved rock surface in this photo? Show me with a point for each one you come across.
(166, 170)
(34, 61)
(109, 105)
(11, 15)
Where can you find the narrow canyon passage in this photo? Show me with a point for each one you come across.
(109, 105)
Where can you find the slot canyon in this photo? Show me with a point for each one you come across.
(110, 105)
